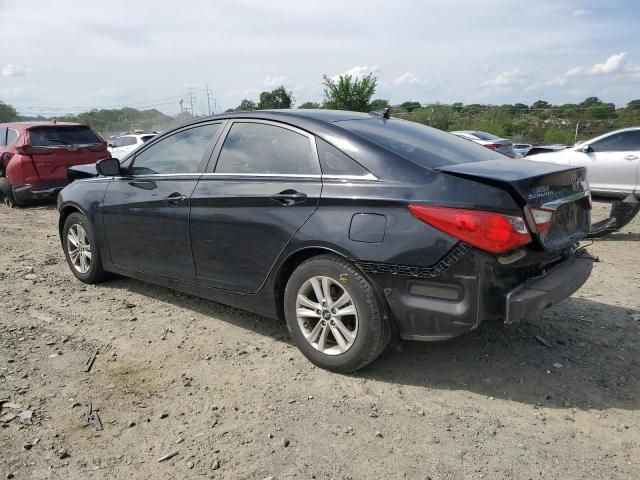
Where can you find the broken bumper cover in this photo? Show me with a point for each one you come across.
(38, 191)
(542, 292)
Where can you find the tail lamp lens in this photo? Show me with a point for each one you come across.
(490, 231)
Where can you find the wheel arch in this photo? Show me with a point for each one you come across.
(65, 211)
(289, 264)
(295, 258)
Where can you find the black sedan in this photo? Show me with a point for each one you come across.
(351, 227)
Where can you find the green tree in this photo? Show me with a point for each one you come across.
(378, 104)
(590, 102)
(310, 105)
(634, 105)
(245, 105)
(7, 112)
(410, 106)
(349, 93)
(277, 98)
(540, 104)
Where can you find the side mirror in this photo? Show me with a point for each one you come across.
(109, 167)
(110, 145)
(585, 149)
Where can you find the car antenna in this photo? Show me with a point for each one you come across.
(383, 113)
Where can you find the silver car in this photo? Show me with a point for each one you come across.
(612, 161)
(501, 145)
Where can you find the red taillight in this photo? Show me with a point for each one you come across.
(492, 145)
(31, 150)
(490, 231)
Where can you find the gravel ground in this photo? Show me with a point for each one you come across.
(228, 393)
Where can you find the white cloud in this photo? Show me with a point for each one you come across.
(275, 81)
(581, 12)
(508, 78)
(572, 72)
(358, 72)
(13, 70)
(610, 65)
(407, 78)
(556, 82)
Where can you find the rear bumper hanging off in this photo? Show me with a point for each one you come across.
(542, 292)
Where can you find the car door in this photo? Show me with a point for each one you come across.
(265, 185)
(612, 162)
(146, 210)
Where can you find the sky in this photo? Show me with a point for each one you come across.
(70, 56)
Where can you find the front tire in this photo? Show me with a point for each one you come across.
(81, 249)
(334, 315)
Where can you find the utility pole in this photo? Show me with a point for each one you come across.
(208, 100)
(191, 101)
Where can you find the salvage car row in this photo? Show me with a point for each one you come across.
(351, 227)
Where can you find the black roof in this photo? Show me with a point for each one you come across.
(324, 115)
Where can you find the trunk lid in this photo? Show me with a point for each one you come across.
(57, 147)
(536, 187)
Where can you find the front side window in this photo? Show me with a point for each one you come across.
(3, 136)
(118, 142)
(181, 152)
(619, 142)
(266, 149)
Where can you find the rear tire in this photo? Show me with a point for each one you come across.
(352, 320)
(6, 192)
(81, 249)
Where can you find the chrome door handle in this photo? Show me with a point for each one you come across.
(631, 157)
(289, 197)
(175, 199)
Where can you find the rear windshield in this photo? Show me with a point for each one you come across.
(484, 135)
(62, 135)
(146, 138)
(426, 146)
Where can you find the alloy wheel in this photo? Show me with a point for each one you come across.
(327, 315)
(79, 248)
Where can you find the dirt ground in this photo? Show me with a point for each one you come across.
(235, 399)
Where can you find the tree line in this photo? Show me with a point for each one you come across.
(540, 122)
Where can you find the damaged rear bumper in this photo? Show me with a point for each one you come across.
(542, 292)
(433, 306)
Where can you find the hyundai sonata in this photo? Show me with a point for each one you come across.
(351, 227)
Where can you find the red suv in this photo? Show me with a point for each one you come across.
(34, 157)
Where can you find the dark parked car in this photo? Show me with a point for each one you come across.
(35, 156)
(352, 227)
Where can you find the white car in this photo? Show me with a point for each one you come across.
(488, 140)
(612, 161)
(124, 145)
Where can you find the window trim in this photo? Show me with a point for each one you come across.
(215, 156)
(158, 138)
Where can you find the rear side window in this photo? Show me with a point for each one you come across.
(12, 136)
(263, 148)
(181, 152)
(62, 135)
(336, 162)
(426, 146)
(620, 142)
(3, 136)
